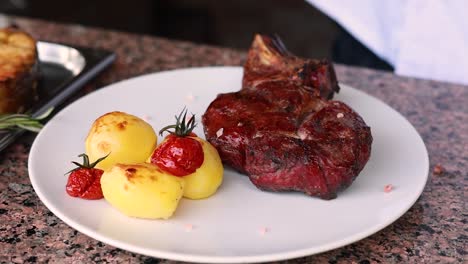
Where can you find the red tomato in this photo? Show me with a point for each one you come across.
(85, 180)
(85, 183)
(180, 156)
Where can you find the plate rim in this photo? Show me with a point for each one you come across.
(200, 258)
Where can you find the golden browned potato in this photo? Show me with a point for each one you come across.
(205, 180)
(126, 138)
(142, 190)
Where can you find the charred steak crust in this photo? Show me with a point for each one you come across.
(281, 130)
(269, 60)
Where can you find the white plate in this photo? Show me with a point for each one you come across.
(228, 226)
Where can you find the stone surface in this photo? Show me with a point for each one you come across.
(434, 230)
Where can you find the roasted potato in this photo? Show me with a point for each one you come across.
(126, 138)
(142, 190)
(205, 180)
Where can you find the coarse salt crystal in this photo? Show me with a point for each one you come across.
(219, 132)
(146, 117)
(240, 124)
(188, 227)
(190, 97)
(339, 115)
(388, 188)
(263, 230)
(302, 135)
(257, 135)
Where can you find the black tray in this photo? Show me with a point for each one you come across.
(64, 70)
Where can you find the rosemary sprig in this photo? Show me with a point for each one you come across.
(23, 121)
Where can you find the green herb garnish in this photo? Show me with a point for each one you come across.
(23, 121)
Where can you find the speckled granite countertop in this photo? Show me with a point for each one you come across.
(434, 230)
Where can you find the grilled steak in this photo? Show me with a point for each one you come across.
(18, 70)
(282, 130)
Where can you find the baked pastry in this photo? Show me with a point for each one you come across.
(19, 70)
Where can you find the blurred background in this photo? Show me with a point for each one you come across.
(305, 30)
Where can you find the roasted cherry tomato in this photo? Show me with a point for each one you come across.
(179, 154)
(85, 180)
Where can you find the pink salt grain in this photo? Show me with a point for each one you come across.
(190, 97)
(263, 230)
(388, 188)
(339, 115)
(188, 227)
(302, 135)
(219, 132)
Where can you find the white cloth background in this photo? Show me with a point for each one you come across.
(419, 38)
